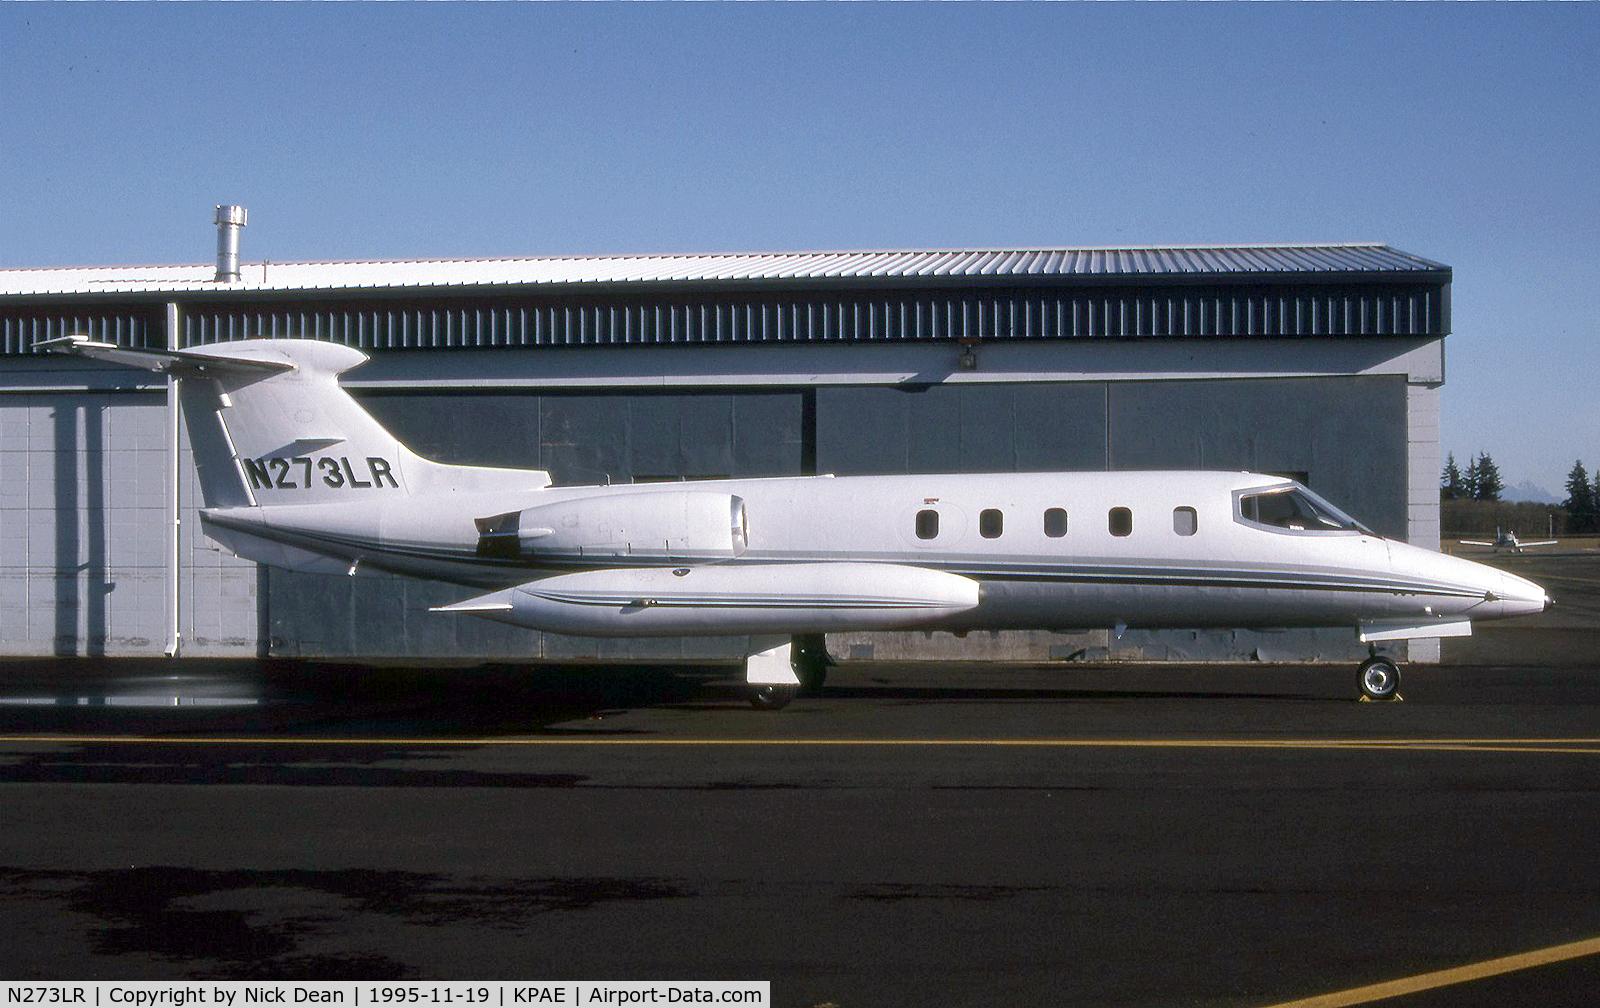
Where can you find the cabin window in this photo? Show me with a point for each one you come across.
(1184, 521)
(990, 523)
(1055, 523)
(1296, 509)
(927, 524)
(1120, 521)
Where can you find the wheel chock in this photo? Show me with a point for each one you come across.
(1397, 698)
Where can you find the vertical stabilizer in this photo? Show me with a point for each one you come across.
(294, 436)
(269, 424)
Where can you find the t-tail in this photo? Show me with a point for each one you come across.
(270, 425)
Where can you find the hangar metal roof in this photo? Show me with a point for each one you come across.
(791, 297)
(1061, 265)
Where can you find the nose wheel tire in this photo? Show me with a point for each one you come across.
(1380, 679)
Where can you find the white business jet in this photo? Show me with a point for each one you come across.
(295, 473)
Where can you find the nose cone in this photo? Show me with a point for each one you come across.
(1518, 596)
(1464, 589)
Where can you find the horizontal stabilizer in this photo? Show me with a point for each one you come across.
(182, 363)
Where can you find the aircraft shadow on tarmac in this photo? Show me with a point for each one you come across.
(912, 695)
(320, 699)
(327, 700)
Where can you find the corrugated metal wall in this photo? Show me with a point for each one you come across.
(468, 321)
(1090, 314)
(20, 330)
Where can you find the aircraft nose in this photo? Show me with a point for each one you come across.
(1479, 591)
(1519, 596)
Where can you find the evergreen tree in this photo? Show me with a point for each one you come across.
(1580, 494)
(1452, 485)
(1483, 476)
(1583, 501)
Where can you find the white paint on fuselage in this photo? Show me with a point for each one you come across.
(1226, 573)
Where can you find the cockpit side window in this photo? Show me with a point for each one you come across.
(1295, 509)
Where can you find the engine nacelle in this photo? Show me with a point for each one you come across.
(731, 599)
(693, 525)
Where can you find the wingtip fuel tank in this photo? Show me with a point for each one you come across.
(730, 599)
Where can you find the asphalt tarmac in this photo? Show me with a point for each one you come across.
(916, 835)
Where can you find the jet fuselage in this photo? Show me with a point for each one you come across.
(1048, 550)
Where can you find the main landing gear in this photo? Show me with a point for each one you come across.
(778, 672)
(771, 696)
(809, 656)
(1380, 679)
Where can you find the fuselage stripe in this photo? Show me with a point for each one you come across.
(376, 552)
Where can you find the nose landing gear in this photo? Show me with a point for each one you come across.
(1380, 680)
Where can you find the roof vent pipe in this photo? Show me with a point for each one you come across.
(230, 221)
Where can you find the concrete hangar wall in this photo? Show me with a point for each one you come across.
(1318, 361)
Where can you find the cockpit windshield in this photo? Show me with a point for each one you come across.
(1296, 509)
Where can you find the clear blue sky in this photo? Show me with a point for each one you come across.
(1466, 133)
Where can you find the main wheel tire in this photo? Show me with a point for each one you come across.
(1380, 679)
(769, 696)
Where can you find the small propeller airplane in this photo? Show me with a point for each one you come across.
(294, 473)
(1506, 540)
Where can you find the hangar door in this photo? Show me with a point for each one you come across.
(1345, 436)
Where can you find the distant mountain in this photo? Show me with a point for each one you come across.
(1527, 491)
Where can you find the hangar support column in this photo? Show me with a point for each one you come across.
(174, 319)
(1422, 490)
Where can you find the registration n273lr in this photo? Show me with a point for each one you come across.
(304, 472)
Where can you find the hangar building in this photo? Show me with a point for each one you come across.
(1317, 361)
